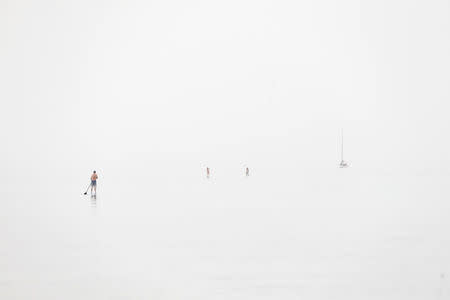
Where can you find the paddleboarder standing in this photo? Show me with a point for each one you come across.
(94, 178)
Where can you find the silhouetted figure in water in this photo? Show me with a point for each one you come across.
(207, 172)
(247, 172)
(94, 178)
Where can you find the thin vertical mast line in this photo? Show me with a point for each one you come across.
(342, 144)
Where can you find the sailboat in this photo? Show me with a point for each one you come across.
(343, 163)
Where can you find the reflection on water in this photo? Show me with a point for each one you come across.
(93, 201)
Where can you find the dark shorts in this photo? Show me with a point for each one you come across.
(94, 182)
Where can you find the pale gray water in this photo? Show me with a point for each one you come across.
(328, 234)
(150, 93)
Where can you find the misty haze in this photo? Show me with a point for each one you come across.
(244, 149)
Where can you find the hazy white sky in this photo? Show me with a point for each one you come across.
(85, 82)
(149, 93)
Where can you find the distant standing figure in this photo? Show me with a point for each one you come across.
(207, 172)
(94, 178)
(247, 172)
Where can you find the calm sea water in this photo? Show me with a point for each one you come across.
(344, 235)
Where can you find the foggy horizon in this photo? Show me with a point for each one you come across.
(151, 93)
